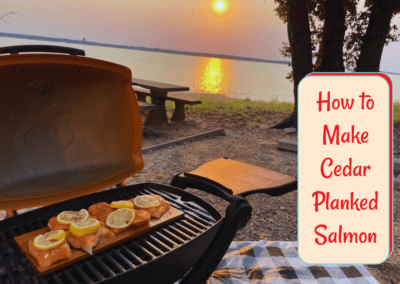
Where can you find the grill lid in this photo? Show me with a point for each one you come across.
(69, 126)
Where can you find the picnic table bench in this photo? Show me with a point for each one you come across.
(159, 94)
(146, 106)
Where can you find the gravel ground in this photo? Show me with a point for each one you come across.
(273, 218)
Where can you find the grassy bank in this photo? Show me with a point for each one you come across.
(396, 113)
(252, 110)
(236, 105)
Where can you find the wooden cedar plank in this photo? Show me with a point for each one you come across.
(23, 240)
(287, 145)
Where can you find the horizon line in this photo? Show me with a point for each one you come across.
(141, 48)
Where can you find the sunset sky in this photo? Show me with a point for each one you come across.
(245, 28)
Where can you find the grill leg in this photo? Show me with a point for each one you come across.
(237, 215)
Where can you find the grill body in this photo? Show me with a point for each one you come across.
(163, 255)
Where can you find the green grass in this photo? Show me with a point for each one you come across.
(259, 118)
(239, 109)
(396, 112)
(254, 124)
(237, 105)
(246, 107)
(234, 106)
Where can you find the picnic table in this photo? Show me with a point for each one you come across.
(159, 94)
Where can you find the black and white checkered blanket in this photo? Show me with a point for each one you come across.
(278, 263)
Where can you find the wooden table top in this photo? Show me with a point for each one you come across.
(158, 86)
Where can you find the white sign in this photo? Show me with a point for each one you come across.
(345, 168)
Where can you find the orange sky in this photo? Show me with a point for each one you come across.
(247, 28)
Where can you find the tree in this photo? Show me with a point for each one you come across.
(376, 34)
(333, 36)
(300, 47)
(341, 38)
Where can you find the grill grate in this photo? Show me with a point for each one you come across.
(106, 265)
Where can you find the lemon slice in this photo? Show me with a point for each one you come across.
(85, 227)
(68, 217)
(121, 218)
(42, 242)
(56, 235)
(122, 204)
(146, 201)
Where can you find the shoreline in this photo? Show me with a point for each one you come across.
(142, 48)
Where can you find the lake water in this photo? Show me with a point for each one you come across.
(233, 78)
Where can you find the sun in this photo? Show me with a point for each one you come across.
(220, 6)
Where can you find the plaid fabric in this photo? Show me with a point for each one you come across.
(278, 263)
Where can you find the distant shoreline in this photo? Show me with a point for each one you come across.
(85, 42)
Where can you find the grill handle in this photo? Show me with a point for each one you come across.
(184, 180)
(41, 48)
(237, 215)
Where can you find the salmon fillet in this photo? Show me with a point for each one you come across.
(85, 242)
(156, 212)
(101, 207)
(54, 225)
(142, 218)
(100, 211)
(48, 257)
(89, 241)
(105, 233)
(116, 231)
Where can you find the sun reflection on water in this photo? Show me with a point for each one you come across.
(213, 75)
